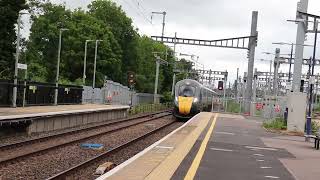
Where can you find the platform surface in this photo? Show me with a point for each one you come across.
(32, 111)
(222, 147)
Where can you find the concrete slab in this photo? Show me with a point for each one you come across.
(306, 164)
(236, 153)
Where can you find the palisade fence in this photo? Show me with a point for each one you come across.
(39, 94)
(116, 94)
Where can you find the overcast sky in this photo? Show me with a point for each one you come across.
(217, 19)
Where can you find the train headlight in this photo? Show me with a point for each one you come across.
(176, 101)
(195, 100)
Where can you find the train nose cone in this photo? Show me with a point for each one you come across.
(185, 104)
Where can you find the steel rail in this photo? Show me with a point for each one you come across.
(64, 174)
(78, 140)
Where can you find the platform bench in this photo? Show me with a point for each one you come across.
(316, 140)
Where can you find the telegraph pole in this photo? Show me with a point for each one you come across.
(252, 45)
(85, 62)
(14, 97)
(174, 64)
(158, 62)
(236, 84)
(58, 67)
(156, 81)
(275, 74)
(94, 69)
(163, 22)
(311, 79)
(224, 90)
(290, 62)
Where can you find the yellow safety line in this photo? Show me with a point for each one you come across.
(196, 162)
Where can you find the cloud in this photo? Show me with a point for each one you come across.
(216, 19)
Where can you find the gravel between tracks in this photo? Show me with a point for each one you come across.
(126, 153)
(52, 162)
(9, 153)
(17, 137)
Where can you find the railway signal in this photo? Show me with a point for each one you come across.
(220, 85)
(131, 79)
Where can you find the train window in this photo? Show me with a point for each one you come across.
(187, 91)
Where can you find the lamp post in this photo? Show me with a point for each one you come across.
(85, 62)
(158, 62)
(15, 78)
(58, 66)
(95, 68)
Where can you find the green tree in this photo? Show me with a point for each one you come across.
(9, 12)
(121, 26)
(122, 49)
(43, 44)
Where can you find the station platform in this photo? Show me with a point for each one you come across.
(49, 118)
(222, 147)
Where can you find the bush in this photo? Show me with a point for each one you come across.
(233, 106)
(278, 124)
(167, 98)
(315, 127)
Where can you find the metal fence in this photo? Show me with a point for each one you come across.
(43, 94)
(116, 93)
(268, 108)
(144, 108)
(39, 93)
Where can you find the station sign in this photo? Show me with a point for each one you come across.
(22, 66)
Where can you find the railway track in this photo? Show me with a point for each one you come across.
(70, 137)
(92, 162)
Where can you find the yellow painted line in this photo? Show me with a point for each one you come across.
(196, 162)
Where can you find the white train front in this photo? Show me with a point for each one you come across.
(191, 97)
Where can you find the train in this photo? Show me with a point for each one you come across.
(191, 97)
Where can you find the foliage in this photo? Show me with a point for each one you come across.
(167, 97)
(233, 106)
(147, 108)
(277, 124)
(9, 12)
(315, 127)
(121, 50)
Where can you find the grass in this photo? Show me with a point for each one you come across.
(233, 106)
(279, 124)
(276, 124)
(258, 112)
(144, 108)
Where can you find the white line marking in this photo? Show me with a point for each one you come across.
(218, 149)
(261, 148)
(164, 147)
(272, 177)
(260, 160)
(255, 149)
(226, 133)
(265, 167)
(258, 155)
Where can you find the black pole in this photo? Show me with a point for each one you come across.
(291, 54)
(312, 74)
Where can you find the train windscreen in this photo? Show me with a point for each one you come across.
(187, 91)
